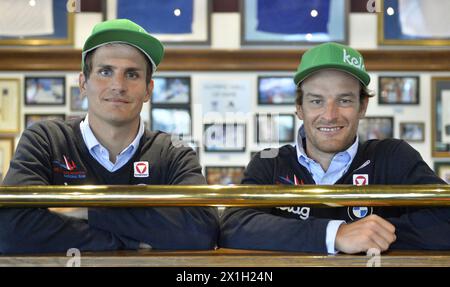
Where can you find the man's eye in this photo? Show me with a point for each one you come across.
(105, 72)
(132, 75)
(315, 102)
(346, 101)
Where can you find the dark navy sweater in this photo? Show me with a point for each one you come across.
(303, 228)
(54, 153)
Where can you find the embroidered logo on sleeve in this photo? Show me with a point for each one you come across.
(141, 169)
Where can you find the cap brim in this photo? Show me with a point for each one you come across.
(362, 76)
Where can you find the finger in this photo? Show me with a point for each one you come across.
(383, 222)
(380, 230)
(381, 242)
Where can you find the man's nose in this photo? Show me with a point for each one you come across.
(331, 111)
(118, 83)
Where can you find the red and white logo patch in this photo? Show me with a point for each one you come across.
(141, 169)
(360, 179)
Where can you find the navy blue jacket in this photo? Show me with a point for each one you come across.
(303, 228)
(54, 153)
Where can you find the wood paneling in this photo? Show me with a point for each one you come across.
(36, 59)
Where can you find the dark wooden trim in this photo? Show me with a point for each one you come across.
(226, 6)
(36, 59)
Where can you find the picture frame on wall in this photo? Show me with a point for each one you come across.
(78, 103)
(440, 116)
(423, 23)
(412, 131)
(278, 23)
(224, 137)
(172, 22)
(224, 175)
(43, 91)
(6, 154)
(30, 119)
(398, 90)
(10, 106)
(171, 91)
(177, 121)
(276, 90)
(375, 128)
(49, 23)
(442, 169)
(275, 128)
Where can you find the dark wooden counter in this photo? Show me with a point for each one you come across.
(232, 258)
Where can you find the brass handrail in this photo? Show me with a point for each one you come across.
(217, 195)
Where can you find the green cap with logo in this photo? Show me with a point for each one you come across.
(126, 32)
(332, 56)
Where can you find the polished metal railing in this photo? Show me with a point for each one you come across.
(217, 195)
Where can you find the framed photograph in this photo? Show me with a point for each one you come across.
(6, 154)
(224, 95)
(36, 23)
(398, 90)
(414, 23)
(224, 137)
(9, 106)
(412, 131)
(45, 91)
(30, 119)
(375, 128)
(268, 22)
(78, 103)
(171, 90)
(440, 116)
(177, 22)
(275, 128)
(172, 120)
(224, 175)
(276, 90)
(442, 169)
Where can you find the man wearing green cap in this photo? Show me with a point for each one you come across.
(332, 97)
(108, 147)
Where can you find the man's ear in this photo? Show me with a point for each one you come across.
(299, 111)
(149, 92)
(363, 107)
(82, 84)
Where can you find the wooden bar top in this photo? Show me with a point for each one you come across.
(231, 258)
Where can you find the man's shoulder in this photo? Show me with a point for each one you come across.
(384, 144)
(273, 154)
(51, 127)
(390, 148)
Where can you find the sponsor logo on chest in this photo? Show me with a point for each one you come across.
(141, 169)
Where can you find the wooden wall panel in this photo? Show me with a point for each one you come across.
(37, 59)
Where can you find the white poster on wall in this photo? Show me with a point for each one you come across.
(225, 96)
(446, 116)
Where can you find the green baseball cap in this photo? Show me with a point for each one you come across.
(332, 56)
(127, 32)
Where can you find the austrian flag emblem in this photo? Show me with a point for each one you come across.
(141, 169)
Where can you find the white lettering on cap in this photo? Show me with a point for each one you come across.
(353, 61)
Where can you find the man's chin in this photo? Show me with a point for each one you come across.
(333, 147)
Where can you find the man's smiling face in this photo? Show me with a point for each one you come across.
(330, 111)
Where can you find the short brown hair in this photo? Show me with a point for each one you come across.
(87, 68)
(364, 92)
